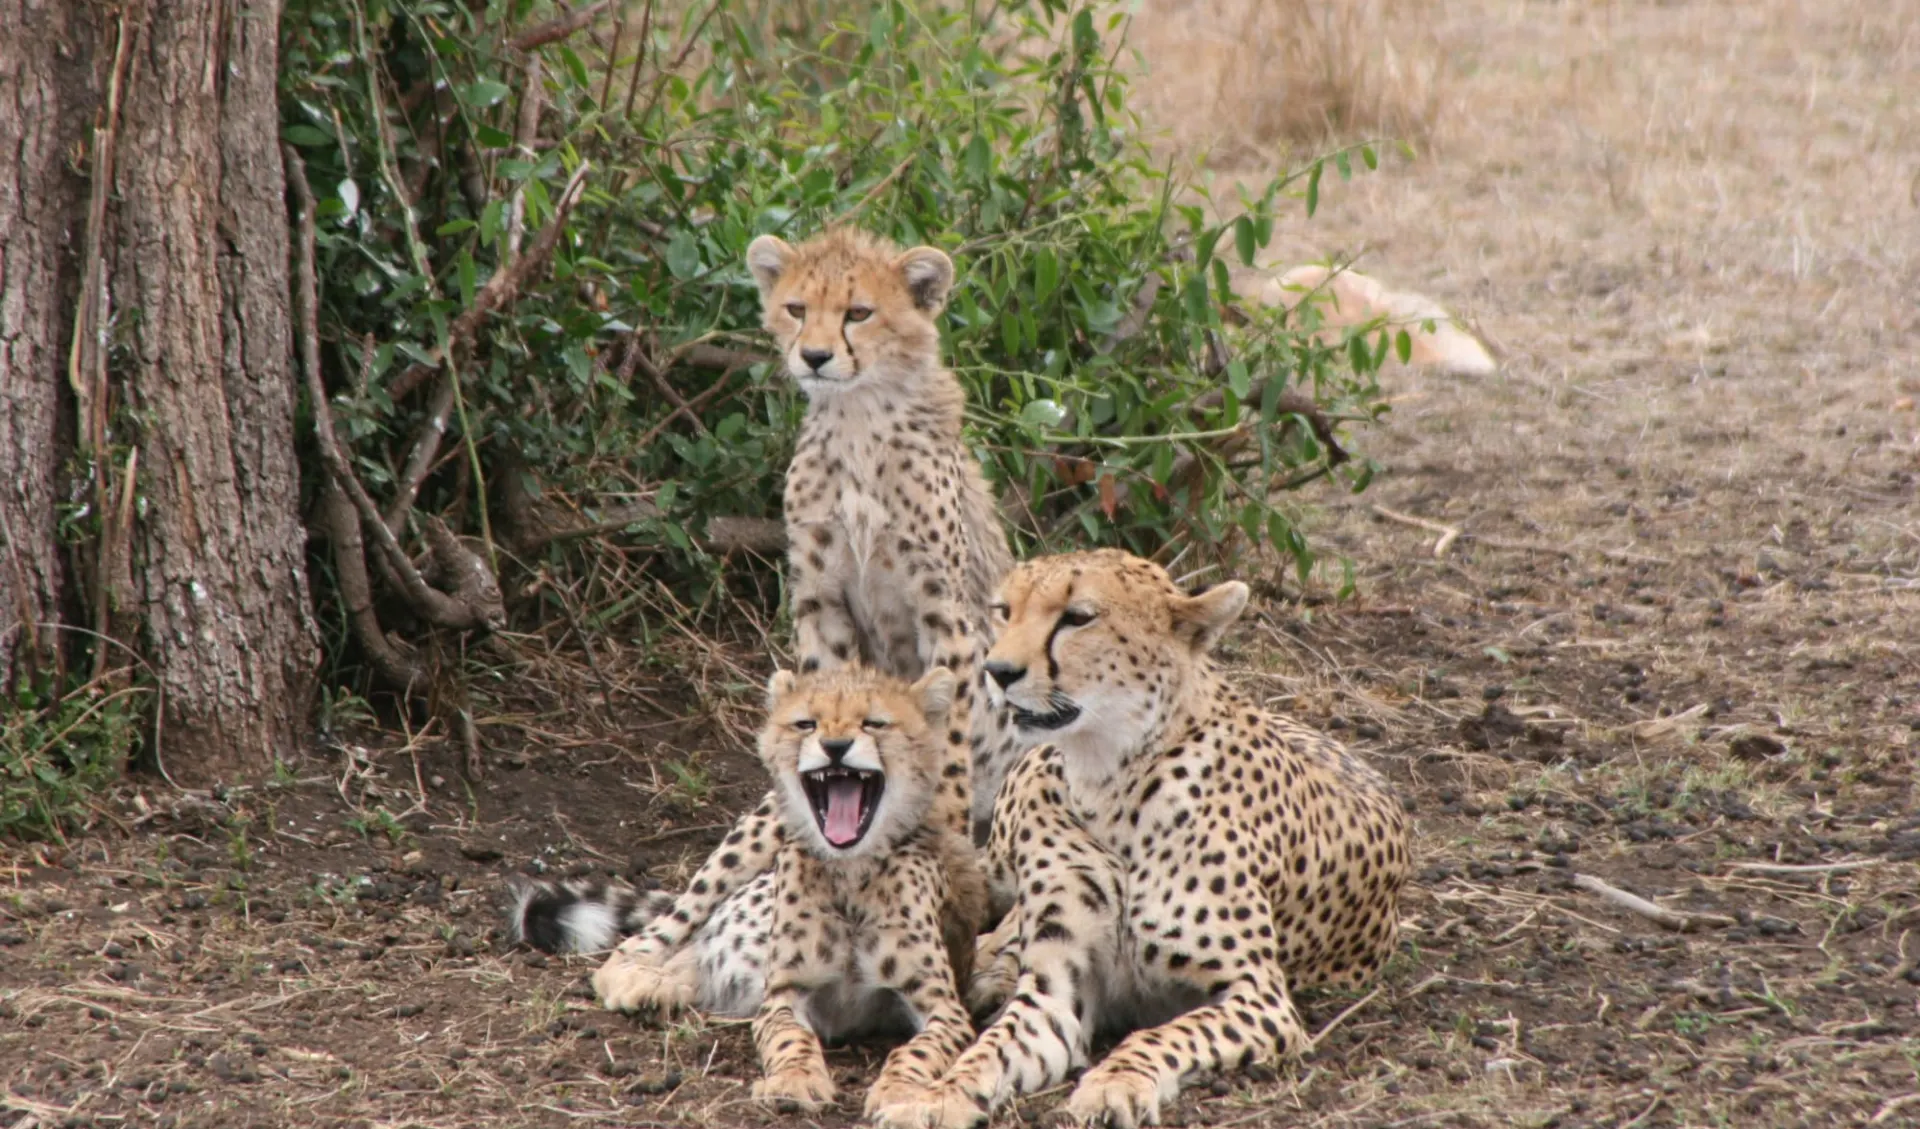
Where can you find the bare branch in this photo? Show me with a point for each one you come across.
(560, 27)
(356, 591)
(436, 606)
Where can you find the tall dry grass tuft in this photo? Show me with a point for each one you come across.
(1242, 79)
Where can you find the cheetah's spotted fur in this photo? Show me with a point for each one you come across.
(894, 550)
(876, 902)
(1174, 846)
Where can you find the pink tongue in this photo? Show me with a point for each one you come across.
(843, 811)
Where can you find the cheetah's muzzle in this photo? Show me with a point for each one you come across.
(1063, 714)
(843, 801)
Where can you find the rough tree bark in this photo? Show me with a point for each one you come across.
(200, 251)
(46, 103)
(205, 575)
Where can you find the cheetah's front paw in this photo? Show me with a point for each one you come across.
(940, 1106)
(891, 1092)
(630, 982)
(1123, 1099)
(798, 1090)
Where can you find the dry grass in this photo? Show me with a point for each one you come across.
(1245, 80)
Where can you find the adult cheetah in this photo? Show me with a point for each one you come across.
(1172, 850)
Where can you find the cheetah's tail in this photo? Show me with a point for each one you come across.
(580, 915)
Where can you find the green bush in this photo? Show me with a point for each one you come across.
(60, 748)
(1090, 325)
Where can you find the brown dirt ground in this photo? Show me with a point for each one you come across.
(1675, 646)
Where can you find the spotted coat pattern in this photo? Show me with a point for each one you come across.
(894, 550)
(860, 932)
(1174, 850)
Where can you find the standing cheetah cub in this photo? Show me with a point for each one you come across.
(894, 550)
(876, 902)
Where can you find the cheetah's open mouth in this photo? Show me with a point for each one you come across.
(1063, 714)
(843, 800)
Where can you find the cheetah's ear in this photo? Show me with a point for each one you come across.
(929, 276)
(779, 686)
(1202, 619)
(935, 690)
(767, 258)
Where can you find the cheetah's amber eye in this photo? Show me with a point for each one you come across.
(858, 313)
(806, 724)
(875, 724)
(1075, 617)
(797, 310)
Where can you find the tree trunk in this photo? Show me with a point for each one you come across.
(217, 559)
(46, 104)
(178, 394)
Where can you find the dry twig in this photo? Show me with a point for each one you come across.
(559, 27)
(1676, 920)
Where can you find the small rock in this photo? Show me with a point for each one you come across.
(480, 852)
(1755, 746)
(653, 1084)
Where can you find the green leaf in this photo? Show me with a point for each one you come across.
(454, 227)
(683, 254)
(1403, 346)
(468, 278)
(1345, 166)
(977, 159)
(307, 137)
(1243, 240)
(1043, 413)
(1046, 274)
(490, 217)
(491, 138)
(1313, 188)
(1238, 378)
(576, 69)
(486, 92)
(1371, 158)
(1203, 248)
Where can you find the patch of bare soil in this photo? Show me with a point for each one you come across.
(1671, 650)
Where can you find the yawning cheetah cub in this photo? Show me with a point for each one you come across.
(876, 901)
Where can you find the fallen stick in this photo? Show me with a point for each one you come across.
(1809, 868)
(1676, 920)
(1448, 534)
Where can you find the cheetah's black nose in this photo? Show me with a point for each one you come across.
(816, 357)
(1005, 673)
(836, 748)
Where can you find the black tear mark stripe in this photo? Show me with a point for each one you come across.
(1053, 664)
